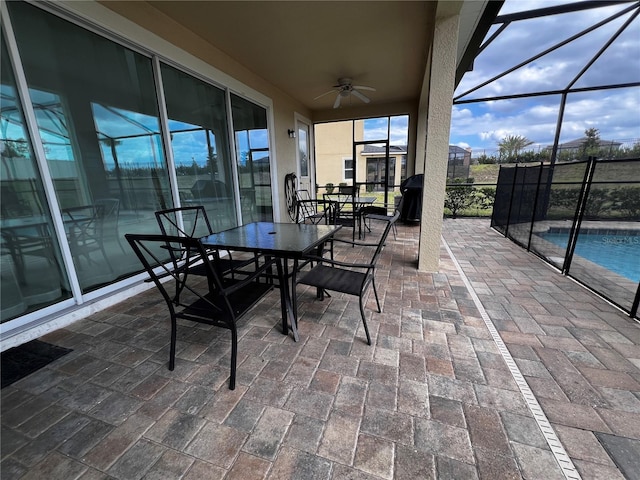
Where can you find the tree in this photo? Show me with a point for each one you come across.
(511, 145)
(15, 148)
(591, 145)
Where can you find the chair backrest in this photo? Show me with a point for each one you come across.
(84, 223)
(152, 252)
(189, 221)
(344, 203)
(303, 194)
(316, 211)
(109, 212)
(353, 190)
(383, 237)
(110, 207)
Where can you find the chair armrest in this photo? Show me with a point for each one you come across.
(338, 263)
(351, 242)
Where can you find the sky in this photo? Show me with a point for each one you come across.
(614, 112)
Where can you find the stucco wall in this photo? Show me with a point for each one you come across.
(436, 153)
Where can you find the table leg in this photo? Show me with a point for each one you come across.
(288, 307)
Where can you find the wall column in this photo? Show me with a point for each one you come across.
(441, 86)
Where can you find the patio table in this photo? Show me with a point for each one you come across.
(287, 241)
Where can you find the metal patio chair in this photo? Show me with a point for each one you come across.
(221, 303)
(195, 224)
(344, 277)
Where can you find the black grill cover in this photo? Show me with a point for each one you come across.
(411, 190)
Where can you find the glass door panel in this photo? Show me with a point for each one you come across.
(30, 270)
(253, 160)
(200, 142)
(305, 165)
(98, 120)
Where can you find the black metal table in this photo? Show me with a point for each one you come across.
(285, 241)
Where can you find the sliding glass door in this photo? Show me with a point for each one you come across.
(31, 273)
(97, 116)
(98, 167)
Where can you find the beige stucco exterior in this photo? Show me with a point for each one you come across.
(436, 152)
(334, 145)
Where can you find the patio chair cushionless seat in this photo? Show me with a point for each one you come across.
(220, 302)
(348, 278)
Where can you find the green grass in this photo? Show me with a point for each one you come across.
(487, 173)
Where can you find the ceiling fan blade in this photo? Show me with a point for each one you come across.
(336, 104)
(363, 87)
(325, 93)
(361, 96)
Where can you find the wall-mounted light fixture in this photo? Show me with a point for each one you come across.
(292, 133)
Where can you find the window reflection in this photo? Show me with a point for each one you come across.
(199, 140)
(98, 120)
(252, 150)
(30, 270)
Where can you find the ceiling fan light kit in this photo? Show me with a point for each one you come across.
(345, 88)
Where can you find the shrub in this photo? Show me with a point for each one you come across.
(458, 197)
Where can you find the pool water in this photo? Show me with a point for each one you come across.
(618, 253)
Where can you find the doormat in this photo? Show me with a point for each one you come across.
(23, 360)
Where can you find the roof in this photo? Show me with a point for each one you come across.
(578, 142)
(456, 150)
(373, 149)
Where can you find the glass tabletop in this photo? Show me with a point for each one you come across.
(281, 239)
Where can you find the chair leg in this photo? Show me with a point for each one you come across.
(172, 345)
(375, 292)
(234, 357)
(364, 321)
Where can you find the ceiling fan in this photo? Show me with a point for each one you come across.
(345, 88)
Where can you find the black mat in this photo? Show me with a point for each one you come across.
(625, 452)
(23, 360)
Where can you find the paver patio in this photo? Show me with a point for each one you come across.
(432, 398)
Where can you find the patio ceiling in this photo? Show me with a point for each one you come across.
(302, 48)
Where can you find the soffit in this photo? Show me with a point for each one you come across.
(302, 48)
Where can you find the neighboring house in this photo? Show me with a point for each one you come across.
(459, 162)
(335, 164)
(578, 144)
(459, 155)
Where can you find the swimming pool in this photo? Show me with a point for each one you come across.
(615, 252)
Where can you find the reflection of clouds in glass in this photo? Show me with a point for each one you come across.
(116, 122)
(189, 147)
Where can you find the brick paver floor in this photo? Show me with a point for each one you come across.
(432, 397)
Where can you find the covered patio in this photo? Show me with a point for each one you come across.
(494, 367)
